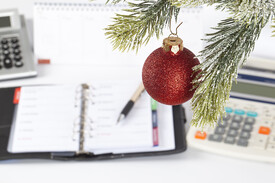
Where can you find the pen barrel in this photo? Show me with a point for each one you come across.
(138, 92)
(127, 108)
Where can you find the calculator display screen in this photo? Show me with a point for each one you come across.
(253, 89)
(5, 22)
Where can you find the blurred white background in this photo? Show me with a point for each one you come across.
(190, 166)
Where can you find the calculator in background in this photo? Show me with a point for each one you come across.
(248, 128)
(16, 57)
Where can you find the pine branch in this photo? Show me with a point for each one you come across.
(143, 21)
(273, 26)
(228, 48)
(114, 1)
(244, 10)
(191, 3)
(241, 10)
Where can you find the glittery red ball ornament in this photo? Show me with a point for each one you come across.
(167, 73)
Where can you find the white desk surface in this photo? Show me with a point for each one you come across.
(190, 166)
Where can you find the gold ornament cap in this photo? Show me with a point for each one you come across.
(173, 44)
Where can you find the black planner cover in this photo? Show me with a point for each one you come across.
(7, 108)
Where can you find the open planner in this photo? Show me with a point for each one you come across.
(80, 122)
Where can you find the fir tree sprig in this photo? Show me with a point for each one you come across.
(244, 10)
(114, 1)
(227, 49)
(191, 3)
(143, 21)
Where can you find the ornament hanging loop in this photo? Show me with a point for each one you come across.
(173, 43)
(171, 32)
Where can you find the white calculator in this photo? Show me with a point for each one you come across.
(248, 128)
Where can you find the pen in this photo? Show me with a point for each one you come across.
(131, 103)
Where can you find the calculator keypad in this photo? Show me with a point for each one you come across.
(10, 53)
(244, 127)
(246, 130)
(237, 128)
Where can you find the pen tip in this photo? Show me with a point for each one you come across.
(121, 117)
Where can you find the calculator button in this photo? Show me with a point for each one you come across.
(232, 133)
(4, 41)
(5, 47)
(249, 120)
(17, 58)
(247, 127)
(245, 135)
(239, 112)
(14, 40)
(237, 118)
(18, 64)
(222, 123)
(229, 140)
(15, 46)
(220, 130)
(215, 137)
(252, 114)
(16, 51)
(200, 135)
(6, 52)
(270, 147)
(242, 142)
(226, 117)
(235, 126)
(7, 63)
(228, 109)
(264, 130)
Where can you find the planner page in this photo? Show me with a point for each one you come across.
(44, 120)
(103, 132)
(165, 134)
(72, 32)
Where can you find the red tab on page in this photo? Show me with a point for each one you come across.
(16, 97)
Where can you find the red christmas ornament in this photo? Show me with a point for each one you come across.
(167, 72)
